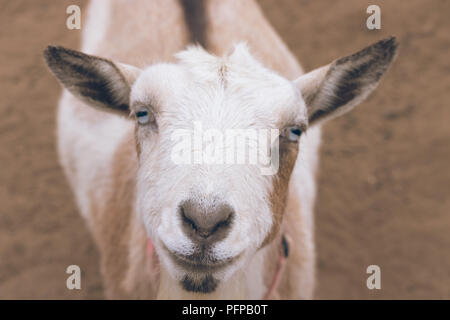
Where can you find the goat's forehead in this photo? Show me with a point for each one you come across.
(205, 86)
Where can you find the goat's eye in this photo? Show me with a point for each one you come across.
(292, 133)
(143, 116)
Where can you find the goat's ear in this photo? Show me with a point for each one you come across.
(97, 81)
(336, 88)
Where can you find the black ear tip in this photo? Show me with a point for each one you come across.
(56, 51)
(50, 49)
(389, 44)
(385, 50)
(51, 53)
(392, 41)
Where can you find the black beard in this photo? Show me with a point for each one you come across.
(200, 284)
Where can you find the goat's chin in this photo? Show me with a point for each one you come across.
(202, 279)
(188, 282)
(183, 284)
(199, 283)
(232, 280)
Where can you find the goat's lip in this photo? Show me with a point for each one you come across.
(196, 263)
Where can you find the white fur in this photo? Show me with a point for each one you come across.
(98, 19)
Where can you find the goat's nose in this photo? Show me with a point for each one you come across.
(206, 223)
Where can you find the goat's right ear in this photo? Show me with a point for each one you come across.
(97, 81)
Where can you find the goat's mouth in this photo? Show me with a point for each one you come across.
(200, 263)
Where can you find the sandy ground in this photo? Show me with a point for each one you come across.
(384, 179)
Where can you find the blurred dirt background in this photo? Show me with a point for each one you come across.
(384, 178)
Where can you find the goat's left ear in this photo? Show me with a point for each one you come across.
(334, 89)
(97, 81)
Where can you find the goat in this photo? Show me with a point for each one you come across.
(180, 231)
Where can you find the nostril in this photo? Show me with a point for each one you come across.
(223, 224)
(202, 222)
(188, 221)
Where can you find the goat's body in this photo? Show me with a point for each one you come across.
(97, 150)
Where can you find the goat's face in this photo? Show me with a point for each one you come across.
(208, 218)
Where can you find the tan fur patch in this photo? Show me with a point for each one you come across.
(113, 217)
(136, 143)
(288, 156)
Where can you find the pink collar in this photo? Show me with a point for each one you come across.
(284, 253)
(282, 258)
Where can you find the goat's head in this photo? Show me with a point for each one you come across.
(208, 219)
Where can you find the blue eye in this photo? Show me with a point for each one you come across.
(143, 117)
(292, 133)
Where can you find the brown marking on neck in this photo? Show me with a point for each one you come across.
(288, 156)
(136, 142)
(113, 220)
